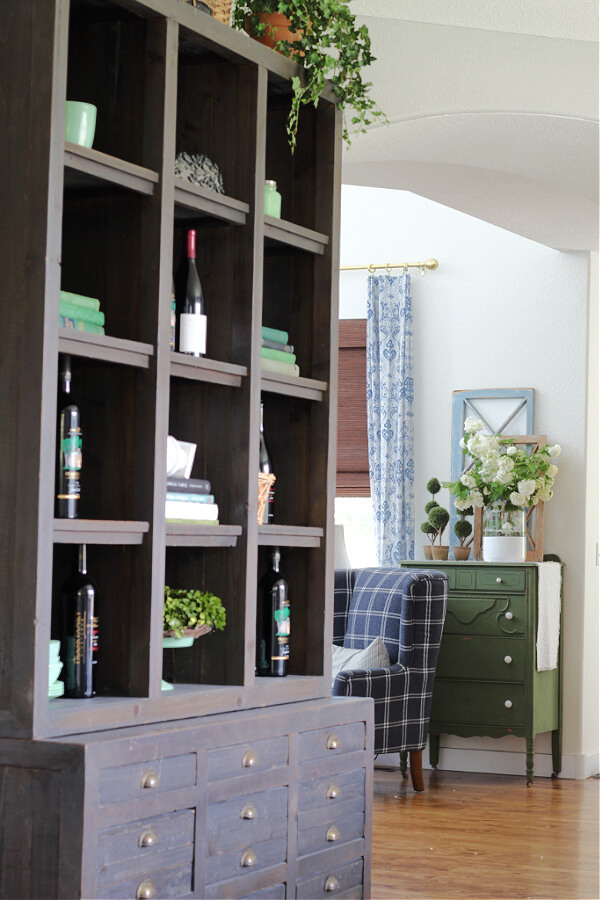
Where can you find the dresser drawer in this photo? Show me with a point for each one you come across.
(223, 866)
(469, 703)
(481, 658)
(145, 838)
(331, 832)
(332, 790)
(331, 882)
(488, 615)
(237, 824)
(254, 756)
(501, 579)
(275, 892)
(154, 776)
(167, 874)
(332, 741)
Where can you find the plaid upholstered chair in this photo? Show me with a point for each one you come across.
(406, 608)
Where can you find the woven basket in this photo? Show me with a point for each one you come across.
(221, 9)
(265, 483)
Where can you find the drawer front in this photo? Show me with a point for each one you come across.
(145, 838)
(494, 615)
(501, 579)
(333, 741)
(275, 892)
(326, 815)
(331, 834)
(255, 756)
(481, 658)
(223, 866)
(240, 823)
(332, 790)
(469, 703)
(154, 776)
(331, 883)
(168, 875)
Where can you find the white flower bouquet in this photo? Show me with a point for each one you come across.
(502, 476)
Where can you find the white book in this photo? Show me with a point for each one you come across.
(181, 509)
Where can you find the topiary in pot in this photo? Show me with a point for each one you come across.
(462, 530)
(431, 531)
(439, 518)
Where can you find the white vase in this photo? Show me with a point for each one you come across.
(504, 536)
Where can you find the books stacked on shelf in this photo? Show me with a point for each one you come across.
(189, 500)
(276, 354)
(80, 313)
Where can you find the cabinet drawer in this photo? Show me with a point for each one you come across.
(145, 838)
(483, 658)
(331, 883)
(254, 756)
(275, 892)
(501, 579)
(238, 824)
(259, 856)
(168, 874)
(469, 703)
(327, 815)
(331, 833)
(490, 615)
(332, 790)
(332, 741)
(154, 776)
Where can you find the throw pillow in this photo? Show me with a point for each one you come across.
(375, 656)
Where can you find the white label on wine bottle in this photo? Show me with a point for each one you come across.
(192, 333)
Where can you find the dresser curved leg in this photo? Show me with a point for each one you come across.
(529, 768)
(404, 764)
(434, 750)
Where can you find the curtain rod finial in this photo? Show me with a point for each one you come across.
(432, 263)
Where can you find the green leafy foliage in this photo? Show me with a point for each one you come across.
(439, 518)
(185, 608)
(330, 45)
(431, 505)
(430, 530)
(462, 530)
(433, 486)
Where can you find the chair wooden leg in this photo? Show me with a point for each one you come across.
(416, 770)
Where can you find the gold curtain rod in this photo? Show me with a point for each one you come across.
(427, 264)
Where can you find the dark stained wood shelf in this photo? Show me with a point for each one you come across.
(180, 534)
(104, 347)
(289, 536)
(203, 369)
(193, 201)
(307, 388)
(295, 235)
(98, 531)
(89, 168)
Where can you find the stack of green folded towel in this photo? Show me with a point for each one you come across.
(276, 353)
(80, 313)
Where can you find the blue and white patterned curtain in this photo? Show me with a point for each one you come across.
(390, 394)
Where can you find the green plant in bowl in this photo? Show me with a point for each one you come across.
(189, 612)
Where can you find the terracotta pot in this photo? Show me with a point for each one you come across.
(440, 552)
(427, 551)
(277, 30)
(461, 553)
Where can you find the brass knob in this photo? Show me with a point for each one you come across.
(333, 834)
(248, 812)
(148, 838)
(498, 580)
(145, 891)
(249, 858)
(150, 779)
(508, 615)
(508, 660)
(508, 703)
(333, 792)
(333, 742)
(332, 884)
(250, 759)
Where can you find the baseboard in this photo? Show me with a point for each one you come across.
(501, 762)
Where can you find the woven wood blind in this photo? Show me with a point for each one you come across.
(352, 447)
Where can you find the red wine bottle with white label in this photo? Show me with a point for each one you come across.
(79, 630)
(192, 319)
(69, 456)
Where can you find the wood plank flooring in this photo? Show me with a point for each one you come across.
(485, 836)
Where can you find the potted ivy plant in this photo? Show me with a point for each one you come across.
(324, 37)
(188, 614)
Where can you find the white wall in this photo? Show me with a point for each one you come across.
(501, 311)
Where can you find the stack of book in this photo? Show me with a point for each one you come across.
(189, 500)
(276, 354)
(80, 313)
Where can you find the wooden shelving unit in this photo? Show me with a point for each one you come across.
(88, 168)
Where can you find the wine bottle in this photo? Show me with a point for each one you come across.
(264, 465)
(173, 319)
(69, 456)
(79, 630)
(192, 320)
(273, 622)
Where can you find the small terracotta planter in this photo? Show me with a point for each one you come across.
(461, 553)
(427, 551)
(440, 552)
(278, 29)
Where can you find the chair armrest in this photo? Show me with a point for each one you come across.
(380, 684)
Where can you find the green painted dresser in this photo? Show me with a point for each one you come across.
(487, 681)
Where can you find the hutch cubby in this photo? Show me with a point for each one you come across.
(139, 784)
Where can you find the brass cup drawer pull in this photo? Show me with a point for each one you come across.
(250, 759)
(332, 884)
(248, 812)
(333, 792)
(508, 704)
(333, 834)
(333, 742)
(148, 838)
(145, 891)
(249, 858)
(508, 660)
(150, 779)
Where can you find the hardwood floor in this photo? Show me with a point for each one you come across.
(485, 836)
